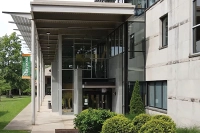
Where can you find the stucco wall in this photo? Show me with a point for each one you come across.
(115, 71)
(173, 63)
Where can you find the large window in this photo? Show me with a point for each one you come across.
(196, 26)
(164, 31)
(157, 94)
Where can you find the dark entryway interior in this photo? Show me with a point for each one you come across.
(97, 93)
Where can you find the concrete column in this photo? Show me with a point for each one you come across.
(54, 92)
(38, 78)
(33, 70)
(78, 91)
(60, 72)
(43, 79)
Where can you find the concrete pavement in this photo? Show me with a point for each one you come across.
(46, 121)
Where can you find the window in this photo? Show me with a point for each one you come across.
(157, 94)
(132, 43)
(164, 30)
(196, 26)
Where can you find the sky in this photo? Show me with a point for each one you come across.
(16, 6)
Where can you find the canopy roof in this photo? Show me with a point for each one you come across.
(78, 20)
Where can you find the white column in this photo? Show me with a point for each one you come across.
(42, 88)
(60, 73)
(33, 70)
(43, 79)
(38, 78)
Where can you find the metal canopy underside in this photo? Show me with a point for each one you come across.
(73, 20)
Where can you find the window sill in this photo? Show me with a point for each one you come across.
(156, 109)
(194, 55)
(163, 47)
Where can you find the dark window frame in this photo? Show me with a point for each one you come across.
(195, 26)
(132, 46)
(164, 34)
(148, 98)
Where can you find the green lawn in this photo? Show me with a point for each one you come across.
(9, 108)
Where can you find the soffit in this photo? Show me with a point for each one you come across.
(75, 20)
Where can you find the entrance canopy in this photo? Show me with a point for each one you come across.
(73, 20)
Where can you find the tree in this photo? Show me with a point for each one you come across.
(11, 60)
(136, 104)
(3, 86)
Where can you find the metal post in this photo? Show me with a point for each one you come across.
(60, 73)
(42, 87)
(33, 70)
(38, 78)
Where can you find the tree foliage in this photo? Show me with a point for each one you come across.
(3, 86)
(136, 104)
(11, 61)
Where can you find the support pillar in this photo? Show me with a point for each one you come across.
(33, 70)
(43, 80)
(54, 92)
(38, 78)
(78, 91)
(60, 73)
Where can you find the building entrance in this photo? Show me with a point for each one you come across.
(97, 98)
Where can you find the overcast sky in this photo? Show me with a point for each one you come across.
(15, 6)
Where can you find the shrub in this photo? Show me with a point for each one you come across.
(188, 130)
(157, 126)
(165, 118)
(130, 116)
(91, 120)
(140, 120)
(136, 104)
(118, 124)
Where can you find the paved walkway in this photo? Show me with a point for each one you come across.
(46, 121)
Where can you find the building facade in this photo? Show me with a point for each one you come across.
(97, 51)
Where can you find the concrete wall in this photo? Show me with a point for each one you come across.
(172, 63)
(115, 71)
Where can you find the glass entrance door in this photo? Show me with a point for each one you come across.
(95, 98)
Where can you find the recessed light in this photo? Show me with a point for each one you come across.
(48, 33)
(48, 46)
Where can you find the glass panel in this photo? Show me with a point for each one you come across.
(165, 31)
(197, 12)
(83, 56)
(86, 73)
(113, 44)
(151, 2)
(151, 96)
(67, 63)
(121, 41)
(117, 41)
(99, 68)
(197, 39)
(158, 98)
(136, 29)
(67, 101)
(164, 95)
(67, 79)
(136, 67)
(68, 49)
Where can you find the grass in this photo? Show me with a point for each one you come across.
(9, 108)
(188, 130)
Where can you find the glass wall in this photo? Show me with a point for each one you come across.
(116, 42)
(85, 53)
(136, 51)
(135, 60)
